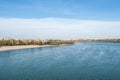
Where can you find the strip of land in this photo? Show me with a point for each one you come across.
(7, 48)
(13, 44)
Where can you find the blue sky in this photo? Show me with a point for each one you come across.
(80, 9)
(56, 11)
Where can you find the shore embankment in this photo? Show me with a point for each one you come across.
(7, 48)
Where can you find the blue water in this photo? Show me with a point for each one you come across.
(81, 61)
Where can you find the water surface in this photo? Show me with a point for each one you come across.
(81, 61)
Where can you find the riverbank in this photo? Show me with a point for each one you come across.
(7, 48)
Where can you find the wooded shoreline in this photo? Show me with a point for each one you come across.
(14, 42)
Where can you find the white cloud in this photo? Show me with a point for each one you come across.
(58, 28)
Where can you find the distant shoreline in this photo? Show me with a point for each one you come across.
(8, 48)
(12, 44)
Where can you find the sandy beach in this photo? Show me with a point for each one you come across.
(7, 48)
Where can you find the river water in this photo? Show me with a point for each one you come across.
(80, 61)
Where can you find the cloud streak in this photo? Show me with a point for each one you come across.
(58, 28)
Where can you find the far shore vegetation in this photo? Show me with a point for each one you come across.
(99, 40)
(15, 42)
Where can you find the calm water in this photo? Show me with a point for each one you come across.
(81, 61)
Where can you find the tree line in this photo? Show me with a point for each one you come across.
(13, 42)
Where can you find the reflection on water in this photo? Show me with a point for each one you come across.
(81, 61)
